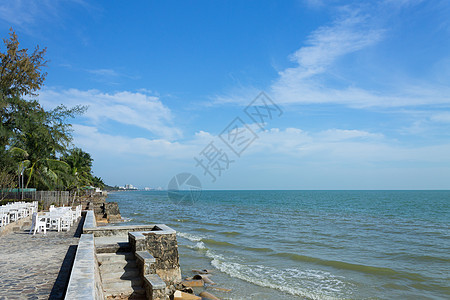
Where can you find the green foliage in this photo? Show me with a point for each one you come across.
(80, 164)
(7, 182)
(98, 182)
(20, 72)
(31, 136)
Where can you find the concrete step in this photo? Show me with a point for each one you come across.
(115, 257)
(126, 287)
(136, 293)
(127, 274)
(114, 247)
(118, 266)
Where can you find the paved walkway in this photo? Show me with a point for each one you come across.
(37, 267)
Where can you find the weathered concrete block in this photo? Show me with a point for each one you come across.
(155, 287)
(161, 243)
(145, 262)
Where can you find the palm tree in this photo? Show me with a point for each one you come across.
(80, 164)
(45, 173)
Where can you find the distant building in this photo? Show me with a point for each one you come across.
(130, 187)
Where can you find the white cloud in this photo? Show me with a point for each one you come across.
(21, 12)
(104, 72)
(345, 134)
(342, 146)
(356, 28)
(327, 43)
(276, 153)
(314, 3)
(26, 13)
(129, 108)
(304, 84)
(89, 137)
(443, 117)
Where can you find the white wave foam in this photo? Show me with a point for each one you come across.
(197, 246)
(313, 284)
(189, 236)
(200, 246)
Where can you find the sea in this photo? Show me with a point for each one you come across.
(308, 244)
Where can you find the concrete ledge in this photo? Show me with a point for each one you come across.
(136, 235)
(154, 281)
(89, 221)
(155, 288)
(145, 262)
(123, 230)
(84, 283)
(145, 257)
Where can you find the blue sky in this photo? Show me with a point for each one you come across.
(364, 89)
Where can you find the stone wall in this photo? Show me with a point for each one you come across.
(164, 248)
(111, 210)
(161, 243)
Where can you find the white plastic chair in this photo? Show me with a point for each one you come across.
(66, 221)
(54, 221)
(4, 216)
(38, 224)
(4, 219)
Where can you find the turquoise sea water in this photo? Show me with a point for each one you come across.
(309, 244)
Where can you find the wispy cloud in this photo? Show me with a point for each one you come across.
(20, 12)
(317, 76)
(327, 147)
(23, 13)
(344, 146)
(89, 137)
(443, 117)
(129, 108)
(349, 33)
(352, 31)
(104, 72)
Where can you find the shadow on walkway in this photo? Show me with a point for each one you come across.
(62, 281)
(79, 230)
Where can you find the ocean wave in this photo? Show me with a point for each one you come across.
(255, 249)
(201, 239)
(219, 243)
(424, 258)
(230, 233)
(182, 220)
(204, 229)
(384, 271)
(198, 246)
(312, 284)
(189, 236)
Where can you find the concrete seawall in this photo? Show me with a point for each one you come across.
(97, 271)
(85, 280)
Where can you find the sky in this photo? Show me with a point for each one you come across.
(301, 94)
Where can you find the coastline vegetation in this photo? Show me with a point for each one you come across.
(34, 142)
